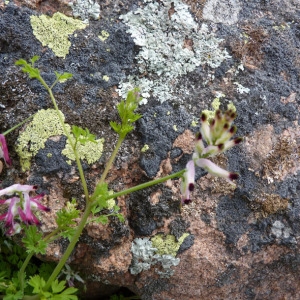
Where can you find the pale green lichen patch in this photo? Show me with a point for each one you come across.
(90, 151)
(167, 245)
(105, 78)
(103, 36)
(145, 148)
(54, 31)
(44, 124)
(215, 105)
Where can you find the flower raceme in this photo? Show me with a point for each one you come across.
(214, 138)
(4, 151)
(20, 206)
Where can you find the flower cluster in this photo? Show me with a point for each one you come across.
(214, 138)
(4, 151)
(21, 206)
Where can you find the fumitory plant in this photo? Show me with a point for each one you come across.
(22, 203)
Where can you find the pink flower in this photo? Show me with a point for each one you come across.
(20, 206)
(4, 151)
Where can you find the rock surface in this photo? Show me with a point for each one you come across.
(244, 241)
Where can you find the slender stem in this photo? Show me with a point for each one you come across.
(71, 246)
(111, 159)
(22, 270)
(29, 256)
(145, 185)
(66, 132)
(16, 126)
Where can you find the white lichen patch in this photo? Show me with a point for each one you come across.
(85, 9)
(241, 89)
(225, 12)
(172, 44)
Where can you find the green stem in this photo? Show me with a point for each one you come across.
(28, 258)
(22, 270)
(66, 132)
(111, 159)
(71, 246)
(16, 126)
(145, 185)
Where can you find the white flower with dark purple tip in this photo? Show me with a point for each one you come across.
(214, 138)
(215, 170)
(21, 206)
(188, 182)
(4, 151)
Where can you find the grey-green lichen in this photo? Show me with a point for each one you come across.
(85, 9)
(159, 250)
(44, 125)
(54, 31)
(171, 44)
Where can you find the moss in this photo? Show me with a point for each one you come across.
(53, 32)
(167, 245)
(44, 125)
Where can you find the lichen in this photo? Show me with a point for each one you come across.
(44, 125)
(105, 78)
(171, 46)
(90, 151)
(145, 148)
(85, 9)
(54, 31)
(103, 36)
(144, 254)
(167, 245)
(215, 105)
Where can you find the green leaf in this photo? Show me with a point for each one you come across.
(66, 219)
(37, 283)
(63, 77)
(58, 287)
(127, 115)
(33, 240)
(34, 59)
(29, 67)
(83, 135)
(120, 217)
(101, 219)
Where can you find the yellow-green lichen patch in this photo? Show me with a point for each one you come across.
(105, 78)
(167, 244)
(215, 105)
(44, 124)
(90, 151)
(145, 148)
(103, 36)
(54, 31)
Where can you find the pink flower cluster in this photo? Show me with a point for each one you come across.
(4, 151)
(20, 207)
(214, 138)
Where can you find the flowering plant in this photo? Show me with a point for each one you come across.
(214, 138)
